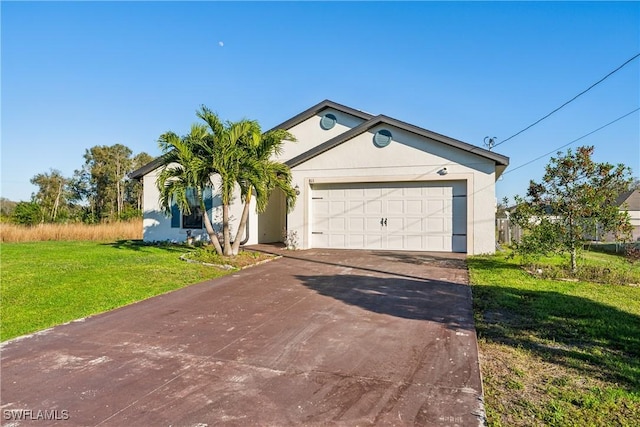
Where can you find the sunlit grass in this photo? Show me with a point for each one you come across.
(48, 283)
(556, 352)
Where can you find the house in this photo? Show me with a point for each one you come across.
(630, 201)
(365, 182)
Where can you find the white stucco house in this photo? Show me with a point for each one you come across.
(365, 182)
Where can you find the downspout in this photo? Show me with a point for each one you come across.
(246, 233)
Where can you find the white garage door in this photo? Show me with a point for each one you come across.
(418, 216)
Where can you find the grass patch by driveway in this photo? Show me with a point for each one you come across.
(556, 352)
(47, 283)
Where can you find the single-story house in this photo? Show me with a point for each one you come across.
(365, 182)
(630, 201)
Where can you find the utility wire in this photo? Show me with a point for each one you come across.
(569, 101)
(569, 143)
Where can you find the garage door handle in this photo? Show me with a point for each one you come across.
(385, 222)
(381, 221)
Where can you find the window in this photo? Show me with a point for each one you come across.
(194, 220)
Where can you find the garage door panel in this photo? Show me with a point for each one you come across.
(321, 207)
(356, 206)
(414, 225)
(395, 207)
(356, 225)
(373, 207)
(337, 207)
(414, 207)
(337, 224)
(419, 216)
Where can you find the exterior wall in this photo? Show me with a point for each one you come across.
(310, 134)
(635, 222)
(157, 225)
(407, 158)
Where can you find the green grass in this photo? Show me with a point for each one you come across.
(48, 283)
(557, 352)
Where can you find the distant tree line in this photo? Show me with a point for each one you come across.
(99, 191)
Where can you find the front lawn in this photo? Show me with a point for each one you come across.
(553, 352)
(48, 283)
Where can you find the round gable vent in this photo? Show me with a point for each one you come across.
(328, 121)
(382, 138)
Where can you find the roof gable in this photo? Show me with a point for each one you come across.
(370, 121)
(499, 159)
(310, 112)
(631, 199)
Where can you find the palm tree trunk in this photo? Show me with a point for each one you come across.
(243, 224)
(225, 230)
(211, 232)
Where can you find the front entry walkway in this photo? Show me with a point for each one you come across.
(317, 337)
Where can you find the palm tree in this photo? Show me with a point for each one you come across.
(223, 150)
(186, 170)
(239, 154)
(261, 175)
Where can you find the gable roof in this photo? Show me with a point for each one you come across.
(631, 198)
(499, 159)
(299, 118)
(369, 122)
(149, 167)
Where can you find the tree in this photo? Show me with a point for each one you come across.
(52, 195)
(103, 182)
(27, 213)
(6, 207)
(260, 175)
(238, 155)
(242, 156)
(185, 168)
(133, 187)
(575, 195)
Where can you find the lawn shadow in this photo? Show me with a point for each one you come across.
(600, 340)
(139, 245)
(409, 298)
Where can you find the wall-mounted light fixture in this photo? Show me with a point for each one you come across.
(297, 190)
(443, 171)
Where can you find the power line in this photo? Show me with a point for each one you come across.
(569, 101)
(569, 143)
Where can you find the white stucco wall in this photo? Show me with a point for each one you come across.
(309, 133)
(407, 157)
(157, 226)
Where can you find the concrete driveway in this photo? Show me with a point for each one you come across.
(317, 337)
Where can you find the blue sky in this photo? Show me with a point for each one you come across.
(79, 74)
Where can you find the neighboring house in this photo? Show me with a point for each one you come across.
(365, 182)
(630, 201)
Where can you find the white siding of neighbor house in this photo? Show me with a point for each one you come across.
(407, 158)
(635, 223)
(157, 225)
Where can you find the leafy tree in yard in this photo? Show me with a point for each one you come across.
(27, 213)
(103, 182)
(53, 195)
(575, 195)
